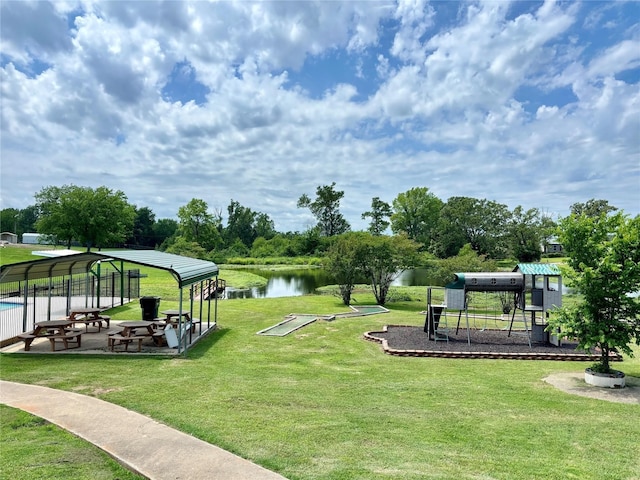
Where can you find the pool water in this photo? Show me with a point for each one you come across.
(8, 305)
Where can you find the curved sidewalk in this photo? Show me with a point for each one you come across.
(147, 447)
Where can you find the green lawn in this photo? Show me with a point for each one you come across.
(32, 448)
(322, 403)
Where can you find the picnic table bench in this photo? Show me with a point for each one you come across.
(58, 329)
(67, 338)
(91, 321)
(124, 340)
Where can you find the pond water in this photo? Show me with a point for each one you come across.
(292, 283)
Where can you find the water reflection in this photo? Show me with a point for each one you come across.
(293, 283)
(285, 283)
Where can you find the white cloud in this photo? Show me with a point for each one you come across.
(445, 110)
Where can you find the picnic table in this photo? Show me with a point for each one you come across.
(88, 316)
(56, 331)
(135, 331)
(173, 315)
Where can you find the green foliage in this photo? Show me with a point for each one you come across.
(324, 404)
(379, 213)
(467, 260)
(199, 226)
(378, 258)
(181, 246)
(95, 218)
(524, 234)
(326, 209)
(345, 261)
(416, 213)
(604, 261)
(143, 228)
(480, 223)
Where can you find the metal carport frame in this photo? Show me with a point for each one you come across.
(187, 271)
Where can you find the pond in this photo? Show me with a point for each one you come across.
(296, 282)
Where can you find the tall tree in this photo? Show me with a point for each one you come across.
(604, 261)
(9, 220)
(53, 218)
(326, 209)
(416, 213)
(164, 230)
(264, 226)
(345, 260)
(524, 234)
(199, 226)
(385, 259)
(379, 213)
(481, 223)
(95, 218)
(143, 232)
(593, 208)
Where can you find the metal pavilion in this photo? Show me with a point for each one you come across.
(190, 273)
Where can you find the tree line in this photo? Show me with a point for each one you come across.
(101, 217)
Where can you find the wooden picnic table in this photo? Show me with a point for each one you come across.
(173, 315)
(131, 332)
(91, 312)
(88, 316)
(56, 331)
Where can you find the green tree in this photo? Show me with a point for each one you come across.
(264, 226)
(54, 217)
(481, 223)
(416, 212)
(604, 261)
(379, 213)
(95, 218)
(467, 260)
(524, 234)
(326, 209)
(182, 246)
(345, 260)
(593, 208)
(245, 225)
(199, 226)
(143, 228)
(385, 258)
(27, 219)
(164, 230)
(9, 220)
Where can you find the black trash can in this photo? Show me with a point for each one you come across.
(149, 307)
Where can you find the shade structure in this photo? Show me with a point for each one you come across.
(185, 270)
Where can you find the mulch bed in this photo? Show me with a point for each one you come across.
(403, 340)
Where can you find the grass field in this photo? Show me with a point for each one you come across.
(322, 403)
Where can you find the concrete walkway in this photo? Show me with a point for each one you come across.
(147, 447)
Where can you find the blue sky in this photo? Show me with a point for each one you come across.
(525, 103)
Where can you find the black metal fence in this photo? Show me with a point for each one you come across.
(22, 304)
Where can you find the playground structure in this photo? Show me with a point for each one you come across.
(532, 289)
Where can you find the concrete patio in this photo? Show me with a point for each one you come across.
(95, 343)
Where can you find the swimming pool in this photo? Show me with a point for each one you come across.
(8, 305)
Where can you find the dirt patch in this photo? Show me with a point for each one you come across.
(574, 384)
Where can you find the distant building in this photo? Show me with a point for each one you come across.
(8, 237)
(554, 246)
(35, 238)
